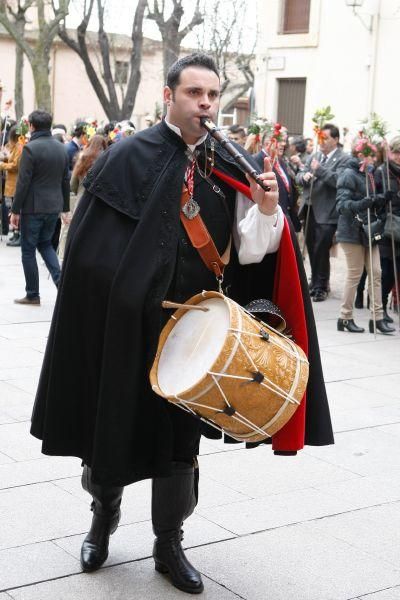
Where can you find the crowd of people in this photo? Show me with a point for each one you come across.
(326, 192)
(330, 195)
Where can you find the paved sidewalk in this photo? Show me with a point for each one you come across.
(324, 525)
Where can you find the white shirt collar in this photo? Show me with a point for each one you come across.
(178, 132)
(328, 156)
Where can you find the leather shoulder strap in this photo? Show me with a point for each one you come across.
(202, 241)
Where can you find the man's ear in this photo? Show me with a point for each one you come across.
(168, 95)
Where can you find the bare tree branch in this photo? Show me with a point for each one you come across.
(108, 97)
(171, 35)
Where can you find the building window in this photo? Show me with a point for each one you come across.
(291, 102)
(295, 16)
(121, 71)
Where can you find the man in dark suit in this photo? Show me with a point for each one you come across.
(285, 177)
(42, 193)
(75, 145)
(318, 178)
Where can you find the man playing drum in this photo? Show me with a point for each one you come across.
(127, 252)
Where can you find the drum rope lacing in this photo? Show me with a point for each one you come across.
(240, 418)
(263, 380)
(273, 387)
(271, 341)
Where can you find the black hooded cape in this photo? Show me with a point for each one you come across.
(94, 400)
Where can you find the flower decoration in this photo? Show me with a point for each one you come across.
(274, 131)
(91, 127)
(320, 118)
(365, 147)
(22, 129)
(375, 128)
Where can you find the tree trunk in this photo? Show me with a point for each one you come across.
(19, 83)
(40, 70)
(19, 72)
(171, 48)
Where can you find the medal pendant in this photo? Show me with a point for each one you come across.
(191, 209)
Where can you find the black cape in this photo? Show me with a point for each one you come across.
(94, 400)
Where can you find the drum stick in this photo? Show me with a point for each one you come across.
(167, 304)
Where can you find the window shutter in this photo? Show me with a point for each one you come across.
(296, 16)
(291, 101)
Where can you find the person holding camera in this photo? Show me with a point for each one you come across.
(352, 205)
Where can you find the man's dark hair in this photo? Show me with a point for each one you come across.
(333, 130)
(79, 129)
(41, 120)
(300, 144)
(60, 126)
(197, 59)
(237, 129)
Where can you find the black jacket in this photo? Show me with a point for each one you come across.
(323, 196)
(385, 245)
(351, 189)
(43, 177)
(119, 265)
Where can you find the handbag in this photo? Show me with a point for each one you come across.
(392, 227)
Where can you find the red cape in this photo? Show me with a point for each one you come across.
(289, 298)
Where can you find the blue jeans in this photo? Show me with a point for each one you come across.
(36, 233)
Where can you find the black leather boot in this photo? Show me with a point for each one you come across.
(106, 515)
(359, 301)
(173, 500)
(343, 324)
(381, 326)
(387, 317)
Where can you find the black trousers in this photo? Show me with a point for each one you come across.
(186, 432)
(319, 242)
(388, 277)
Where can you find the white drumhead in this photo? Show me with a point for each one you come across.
(193, 346)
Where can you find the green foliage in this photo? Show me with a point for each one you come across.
(322, 116)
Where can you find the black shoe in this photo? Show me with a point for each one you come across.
(26, 300)
(343, 324)
(94, 551)
(320, 295)
(386, 317)
(359, 301)
(170, 558)
(381, 326)
(15, 240)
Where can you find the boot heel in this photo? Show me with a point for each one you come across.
(160, 567)
(340, 325)
(371, 327)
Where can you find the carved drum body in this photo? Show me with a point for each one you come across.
(230, 369)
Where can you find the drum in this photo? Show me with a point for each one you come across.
(220, 363)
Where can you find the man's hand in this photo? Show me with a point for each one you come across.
(14, 221)
(267, 201)
(315, 164)
(66, 218)
(307, 177)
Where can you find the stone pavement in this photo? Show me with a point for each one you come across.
(324, 525)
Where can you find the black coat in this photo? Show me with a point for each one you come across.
(118, 266)
(323, 197)
(385, 245)
(351, 189)
(43, 177)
